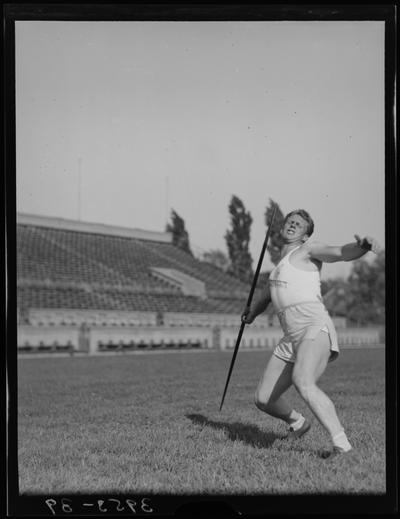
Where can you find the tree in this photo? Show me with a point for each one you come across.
(335, 294)
(237, 240)
(180, 236)
(361, 297)
(217, 258)
(275, 240)
(366, 300)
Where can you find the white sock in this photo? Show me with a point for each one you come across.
(340, 440)
(298, 423)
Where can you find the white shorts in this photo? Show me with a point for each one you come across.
(304, 321)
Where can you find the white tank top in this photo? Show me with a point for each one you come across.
(290, 285)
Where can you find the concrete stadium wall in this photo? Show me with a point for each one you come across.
(49, 337)
(150, 336)
(53, 316)
(90, 340)
(252, 337)
(200, 319)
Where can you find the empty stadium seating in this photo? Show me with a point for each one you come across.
(63, 255)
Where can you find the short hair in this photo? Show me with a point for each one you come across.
(305, 216)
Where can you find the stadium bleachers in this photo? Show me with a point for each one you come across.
(63, 255)
(37, 296)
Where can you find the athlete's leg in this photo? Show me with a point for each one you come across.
(276, 379)
(311, 360)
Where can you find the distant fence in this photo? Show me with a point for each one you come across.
(354, 337)
(95, 339)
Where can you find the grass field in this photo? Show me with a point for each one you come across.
(151, 423)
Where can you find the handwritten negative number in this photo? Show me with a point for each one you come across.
(132, 505)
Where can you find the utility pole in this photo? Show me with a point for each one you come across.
(79, 187)
(166, 199)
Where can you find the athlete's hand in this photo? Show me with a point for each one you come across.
(367, 243)
(247, 317)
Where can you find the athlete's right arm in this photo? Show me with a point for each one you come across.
(258, 307)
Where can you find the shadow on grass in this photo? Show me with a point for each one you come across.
(237, 431)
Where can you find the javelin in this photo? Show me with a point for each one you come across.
(253, 286)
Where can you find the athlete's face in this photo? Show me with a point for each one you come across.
(295, 229)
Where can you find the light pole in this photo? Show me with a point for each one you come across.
(79, 187)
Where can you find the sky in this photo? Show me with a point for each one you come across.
(120, 122)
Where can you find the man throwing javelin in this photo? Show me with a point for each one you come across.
(309, 341)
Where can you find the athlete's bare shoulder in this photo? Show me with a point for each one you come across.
(308, 250)
(311, 247)
(307, 247)
(319, 251)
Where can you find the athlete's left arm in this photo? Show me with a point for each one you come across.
(347, 252)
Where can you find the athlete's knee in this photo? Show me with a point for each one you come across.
(260, 400)
(304, 385)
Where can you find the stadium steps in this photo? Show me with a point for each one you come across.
(59, 268)
(88, 261)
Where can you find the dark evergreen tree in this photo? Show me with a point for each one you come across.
(180, 236)
(237, 240)
(275, 243)
(366, 298)
(361, 297)
(335, 294)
